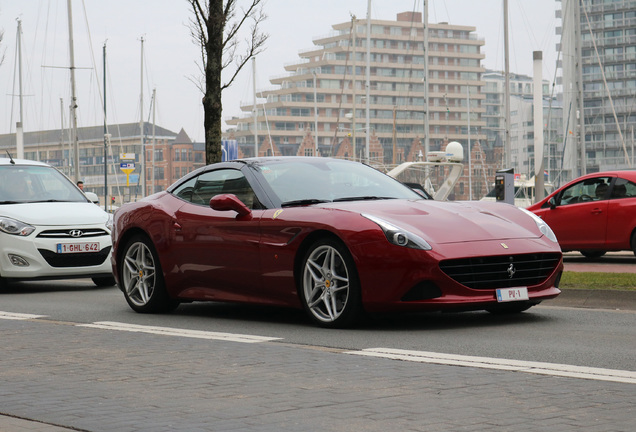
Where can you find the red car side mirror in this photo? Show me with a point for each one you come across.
(227, 202)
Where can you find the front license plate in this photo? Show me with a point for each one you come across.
(512, 294)
(77, 247)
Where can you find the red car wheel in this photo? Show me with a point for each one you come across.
(330, 289)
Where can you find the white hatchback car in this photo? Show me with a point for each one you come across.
(48, 228)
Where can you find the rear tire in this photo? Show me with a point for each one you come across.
(142, 279)
(592, 254)
(634, 242)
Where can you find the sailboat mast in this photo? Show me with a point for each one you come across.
(76, 170)
(427, 140)
(19, 127)
(154, 139)
(254, 109)
(142, 153)
(507, 144)
(368, 83)
(105, 139)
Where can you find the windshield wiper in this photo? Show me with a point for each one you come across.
(11, 202)
(361, 198)
(302, 202)
(50, 200)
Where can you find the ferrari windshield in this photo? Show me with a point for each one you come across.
(33, 183)
(313, 180)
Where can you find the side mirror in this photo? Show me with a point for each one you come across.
(552, 203)
(93, 197)
(227, 202)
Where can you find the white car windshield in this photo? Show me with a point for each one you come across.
(33, 183)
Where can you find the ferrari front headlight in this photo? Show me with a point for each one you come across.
(398, 236)
(543, 227)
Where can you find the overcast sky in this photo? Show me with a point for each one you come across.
(171, 59)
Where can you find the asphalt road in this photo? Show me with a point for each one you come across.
(584, 337)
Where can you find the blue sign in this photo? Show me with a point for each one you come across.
(229, 148)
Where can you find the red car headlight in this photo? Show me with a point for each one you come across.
(398, 236)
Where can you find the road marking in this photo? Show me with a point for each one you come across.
(168, 331)
(18, 316)
(541, 368)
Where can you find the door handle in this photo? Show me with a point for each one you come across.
(597, 211)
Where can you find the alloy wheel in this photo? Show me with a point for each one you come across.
(138, 274)
(326, 285)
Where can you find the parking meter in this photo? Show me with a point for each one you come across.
(505, 186)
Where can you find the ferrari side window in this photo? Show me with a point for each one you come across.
(201, 189)
(184, 191)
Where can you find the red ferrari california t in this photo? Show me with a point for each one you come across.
(336, 238)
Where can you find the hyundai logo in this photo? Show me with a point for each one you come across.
(75, 233)
(511, 271)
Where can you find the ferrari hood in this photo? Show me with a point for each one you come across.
(55, 214)
(451, 222)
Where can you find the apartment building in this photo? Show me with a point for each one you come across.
(320, 106)
(522, 121)
(598, 52)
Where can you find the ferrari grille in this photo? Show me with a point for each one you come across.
(502, 271)
(75, 259)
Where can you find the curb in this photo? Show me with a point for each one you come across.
(595, 299)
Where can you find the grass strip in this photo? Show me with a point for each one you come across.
(598, 281)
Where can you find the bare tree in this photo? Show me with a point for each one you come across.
(216, 28)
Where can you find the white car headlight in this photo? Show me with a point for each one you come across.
(543, 227)
(15, 227)
(398, 236)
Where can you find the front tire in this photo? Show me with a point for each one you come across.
(329, 285)
(510, 308)
(142, 279)
(104, 281)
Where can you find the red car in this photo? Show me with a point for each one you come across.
(593, 214)
(334, 237)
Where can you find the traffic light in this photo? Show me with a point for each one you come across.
(112, 200)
